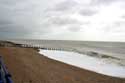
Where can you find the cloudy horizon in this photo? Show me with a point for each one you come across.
(95, 20)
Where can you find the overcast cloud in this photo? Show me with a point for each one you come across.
(102, 20)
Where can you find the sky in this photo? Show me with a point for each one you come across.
(95, 20)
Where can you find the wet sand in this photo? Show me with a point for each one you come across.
(26, 65)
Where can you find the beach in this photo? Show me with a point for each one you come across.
(26, 65)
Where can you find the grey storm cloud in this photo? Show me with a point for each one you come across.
(103, 2)
(123, 16)
(88, 12)
(44, 17)
(116, 26)
(88, 9)
(21, 16)
(63, 21)
(92, 8)
(65, 5)
(73, 6)
(75, 28)
(16, 17)
(120, 23)
(4, 22)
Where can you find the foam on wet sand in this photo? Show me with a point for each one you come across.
(99, 65)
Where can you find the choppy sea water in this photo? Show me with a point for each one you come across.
(113, 49)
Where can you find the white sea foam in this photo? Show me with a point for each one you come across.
(95, 64)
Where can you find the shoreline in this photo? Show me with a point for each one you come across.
(95, 64)
(26, 65)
